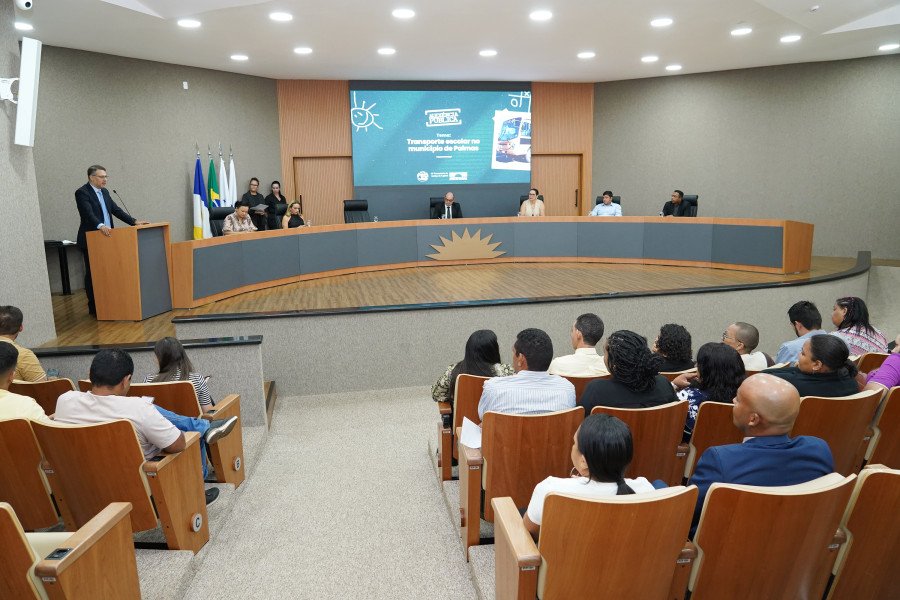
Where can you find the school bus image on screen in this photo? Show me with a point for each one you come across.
(514, 140)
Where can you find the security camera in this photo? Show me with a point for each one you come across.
(24, 4)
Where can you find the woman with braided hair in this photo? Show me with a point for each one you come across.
(635, 382)
(851, 317)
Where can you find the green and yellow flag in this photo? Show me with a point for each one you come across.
(213, 185)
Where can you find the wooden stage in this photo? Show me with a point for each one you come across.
(425, 285)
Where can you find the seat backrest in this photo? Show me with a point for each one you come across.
(615, 200)
(520, 451)
(433, 203)
(672, 375)
(356, 211)
(176, 396)
(842, 422)
(575, 532)
(466, 395)
(713, 426)
(867, 566)
(21, 481)
(84, 385)
(96, 465)
(280, 209)
(45, 393)
(217, 216)
(887, 448)
(18, 558)
(870, 361)
(582, 382)
(691, 200)
(656, 434)
(768, 542)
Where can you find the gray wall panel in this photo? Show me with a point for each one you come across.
(736, 244)
(217, 269)
(601, 238)
(156, 297)
(270, 258)
(499, 232)
(327, 251)
(546, 239)
(386, 246)
(682, 241)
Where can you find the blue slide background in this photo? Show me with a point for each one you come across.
(383, 120)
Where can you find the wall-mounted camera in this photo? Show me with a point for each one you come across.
(24, 4)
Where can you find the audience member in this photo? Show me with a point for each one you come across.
(533, 206)
(450, 209)
(822, 370)
(744, 338)
(272, 201)
(239, 221)
(720, 372)
(482, 358)
(602, 449)
(807, 322)
(292, 218)
(253, 198)
(851, 317)
(676, 207)
(28, 367)
(673, 346)
(532, 389)
(174, 365)
(888, 374)
(15, 406)
(635, 381)
(586, 334)
(765, 409)
(607, 208)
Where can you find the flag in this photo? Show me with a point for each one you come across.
(201, 210)
(223, 183)
(232, 183)
(213, 185)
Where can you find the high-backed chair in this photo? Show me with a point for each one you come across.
(433, 204)
(524, 197)
(45, 393)
(615, 200)
(466, 395)
(656, 434)
(691, 200)
(99, 464)
(581, 383)
(217, 216)
(842, 422)
(871, 361)
(886, 436)
(517, 452)
(866, 567)
(712, 427)
(623, 546)
(227, 454)
(84, 385)
(356, 211)
(97, 561)
(769, 542)
(673, 375)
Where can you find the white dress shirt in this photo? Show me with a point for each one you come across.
(526, 392)
(584, 363)
(755, 361)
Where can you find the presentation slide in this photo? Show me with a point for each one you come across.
(429, 137)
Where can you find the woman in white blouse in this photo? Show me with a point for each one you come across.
(533, 206)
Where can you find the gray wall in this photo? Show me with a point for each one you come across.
(23, 270)
(816, 142)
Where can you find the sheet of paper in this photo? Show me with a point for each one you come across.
(471, 434)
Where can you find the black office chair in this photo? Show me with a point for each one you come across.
(433, 204)
(217, 216)
(280, 209)
(691, 201)
(616, 200)
(356, 211)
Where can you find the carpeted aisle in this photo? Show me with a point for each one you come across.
(342, 504)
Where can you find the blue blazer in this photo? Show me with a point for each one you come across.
(773, 460)
(92, 215)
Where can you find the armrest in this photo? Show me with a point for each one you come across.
(82, 540)
(517, 558)
(471, 456)
(445, 408)
(225, 408)
(684, 565)
(509, 521)
(154, 466)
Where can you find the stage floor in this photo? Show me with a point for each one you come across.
(425, 285)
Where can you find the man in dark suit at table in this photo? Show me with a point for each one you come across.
(448, 210)
(96, 209)
(676, 207)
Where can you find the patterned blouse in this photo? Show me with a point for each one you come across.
(860, 341)
(199, 383)
(235, 225)
(441, 390)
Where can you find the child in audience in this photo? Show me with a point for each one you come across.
(601, 451)
(174, 365)
(482, 358)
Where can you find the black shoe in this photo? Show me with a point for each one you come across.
(219, 428)
(211, 495)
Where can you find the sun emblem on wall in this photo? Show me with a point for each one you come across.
(466, 247)
(362, 117)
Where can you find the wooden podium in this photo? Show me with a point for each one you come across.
(130, 270)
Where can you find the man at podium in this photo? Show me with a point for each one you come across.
(96, 209)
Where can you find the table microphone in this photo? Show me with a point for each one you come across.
(123, 203)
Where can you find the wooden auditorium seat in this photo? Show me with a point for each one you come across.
(227, 455)
(885, 446)
(769, 542)
(45, 393)
(673, 375)
(517, 452)
(871, 361)
(99, 561)
(615, 547)
(843, 422)
(84, 385)
(713, 426)
(466, 395)
(656, 433)
(866, 567)
(582, 382)
(99, 464)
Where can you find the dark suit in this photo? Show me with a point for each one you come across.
(774, 460)
(441, 209)
(91, 217)
(670, 209)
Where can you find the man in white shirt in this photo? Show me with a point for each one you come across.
(586, 334)
(16, 406)
(532, 389)
(744, 338)
(607, 208)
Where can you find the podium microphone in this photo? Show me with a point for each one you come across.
(123, 203)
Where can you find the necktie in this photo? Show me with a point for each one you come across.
(449, 212)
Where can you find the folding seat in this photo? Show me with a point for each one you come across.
(466, 395)
(582, 382)
(870, 361)
(673, 375)
(44, 392)
(712, 427)
(885, 446)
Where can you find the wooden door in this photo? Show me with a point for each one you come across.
(324, 182)
(558, 178)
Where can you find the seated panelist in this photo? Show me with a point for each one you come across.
(676, 207)
(607, 208)
(533, 206)
(448, 210)
(239, 221)
(292, 218)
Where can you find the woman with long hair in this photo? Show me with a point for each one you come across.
(602, 449)
(174, 365)
(673, 346)
(720, 371)
(292, 218)
(482, 357)
(824, 369)
(851, 317)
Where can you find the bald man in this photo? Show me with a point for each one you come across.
(765, 409)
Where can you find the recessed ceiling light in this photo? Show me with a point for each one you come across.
(661, 22)
(24, 26)
(403, 13)
(650, 58)
(386, 51)
(189, 23)
(239, 57)
(540, 15)
(303, 50)
(281, 17)
(742, 30)
(888, 47)
(587, 54)
(790, 39)
(488, 53)
(673, 67)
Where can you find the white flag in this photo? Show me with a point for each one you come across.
(232, 184)
(223, 183)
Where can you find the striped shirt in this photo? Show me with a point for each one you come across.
(861, 341)
(526, 392)
(199, 383)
